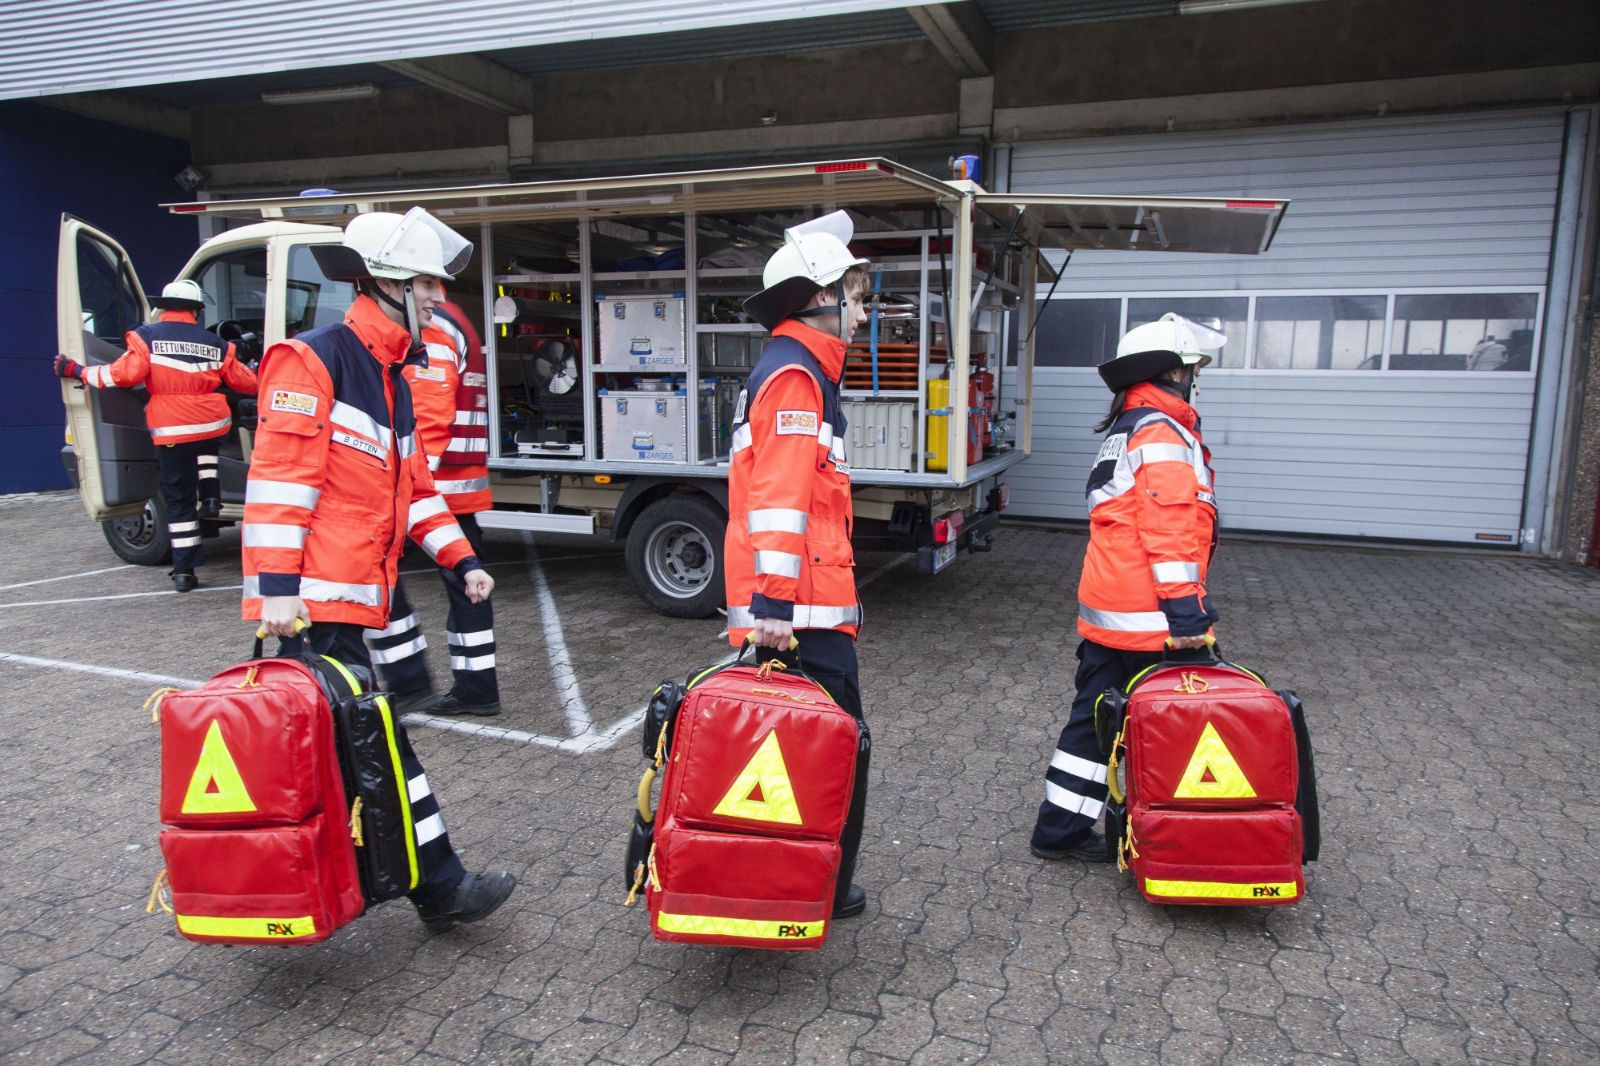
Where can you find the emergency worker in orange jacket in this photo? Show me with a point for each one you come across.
(1152, 528)
(789, 568)
(182, 365)
(449, 393)
(338, 481)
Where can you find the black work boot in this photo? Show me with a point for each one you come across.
(407, 702)
(1092, 848)
(475, 898)
(451, 704)
(184, 580)
(851, 904)
(210, 509)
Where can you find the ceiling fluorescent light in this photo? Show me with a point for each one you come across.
(1211, 7)
(363, 91)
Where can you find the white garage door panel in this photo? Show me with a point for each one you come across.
(1384, 183)
(1441, 459)
(1391, 206)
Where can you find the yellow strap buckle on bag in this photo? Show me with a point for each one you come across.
(160, 894)
(356, 832)
(152, 702)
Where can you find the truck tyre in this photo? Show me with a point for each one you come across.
(675, 556)
(141, 538)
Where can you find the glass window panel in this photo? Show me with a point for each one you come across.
(106, 293)
(235, 285)
(1076, 332)
(310, 299)
(1228, 313)
(1319, 332)
(1464, 331)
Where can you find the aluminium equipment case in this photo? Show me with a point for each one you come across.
(287, 808)
(1219, 804)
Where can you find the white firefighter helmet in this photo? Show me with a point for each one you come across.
(1150, 350)
(182, 295)
(403, 246)
(814, 255)
(381, 244)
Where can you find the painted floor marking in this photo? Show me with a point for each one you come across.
(65, 577)
(563, 678)
(103, 671)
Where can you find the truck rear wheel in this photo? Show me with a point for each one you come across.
(675, 556)
(142, 538)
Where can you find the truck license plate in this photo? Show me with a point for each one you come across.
(943, 556)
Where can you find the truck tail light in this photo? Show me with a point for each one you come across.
(947, 527)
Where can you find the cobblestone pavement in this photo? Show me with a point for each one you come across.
(1453, 915)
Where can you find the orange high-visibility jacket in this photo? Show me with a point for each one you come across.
(1152, 527)
(336, 479)
(788, 544)
(437, 397)
(182, 365)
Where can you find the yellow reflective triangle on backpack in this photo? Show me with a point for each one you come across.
(1213, 772)
(762, 792)
(216, 787)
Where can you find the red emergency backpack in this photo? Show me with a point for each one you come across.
(282, 785)
(760, 766)
(1218, 804)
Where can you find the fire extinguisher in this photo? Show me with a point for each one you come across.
(985, 399)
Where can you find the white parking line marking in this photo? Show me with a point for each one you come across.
(103, 671)
(65, 577)
(121, 596)
(563, 677)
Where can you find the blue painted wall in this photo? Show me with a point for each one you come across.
(108, 175)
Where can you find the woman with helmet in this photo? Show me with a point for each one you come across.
(337, 482)
(790, 572)
(1152, 529)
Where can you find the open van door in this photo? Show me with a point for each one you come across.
(98, 300)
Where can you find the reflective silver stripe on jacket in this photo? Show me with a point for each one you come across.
(471, 418)
(779, 564)
(407, 446)
(805, 617)
(1131, 460)
(274, 535)
(424, 509)
(314, 588)
(471, 484)
(468, 444)
(778, 520)
(98, 377)
(1124, 621)
(436, 540)
(358, 421)
(1171, 572)
(742, 438)
(188, 368)
(177, 431)
(286, 493)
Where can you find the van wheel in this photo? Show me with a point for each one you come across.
(141, 538)
(675, 556)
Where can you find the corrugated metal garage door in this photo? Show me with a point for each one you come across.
(1430, 228)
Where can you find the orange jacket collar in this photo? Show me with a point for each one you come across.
(383, 337)
(169, 315)
(828, 349)
(1146, 394)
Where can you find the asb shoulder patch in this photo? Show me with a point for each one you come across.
(294, 403)
(801, 423)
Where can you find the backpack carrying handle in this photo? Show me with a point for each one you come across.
(300, 626)
(1210, 653)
